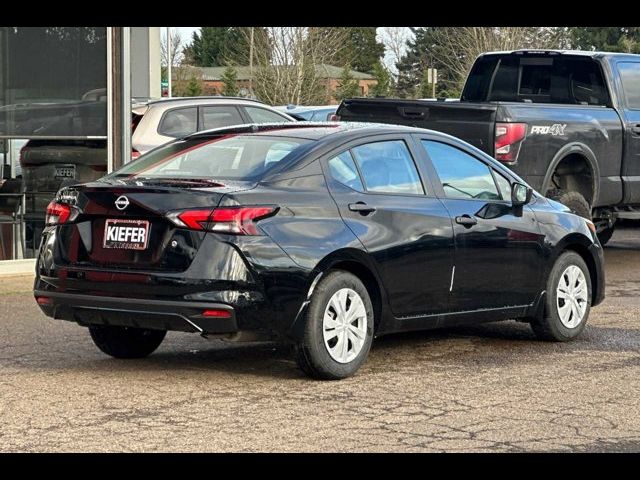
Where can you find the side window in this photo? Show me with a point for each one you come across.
(262, 115)
(344, 171)
(630, 76)
(461, 175)
(388, 167)
(504, 185)
(220, 116)
(179, 122)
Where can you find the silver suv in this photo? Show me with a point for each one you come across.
(159, 121)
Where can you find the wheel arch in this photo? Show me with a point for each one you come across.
(579, 244)
(357, 263)
(576, 154)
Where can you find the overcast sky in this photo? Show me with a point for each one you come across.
(186, 32)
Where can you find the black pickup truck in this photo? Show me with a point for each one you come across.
(566, 121)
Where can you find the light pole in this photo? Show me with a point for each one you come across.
(169, 61)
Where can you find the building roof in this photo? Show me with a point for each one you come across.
(243, 72)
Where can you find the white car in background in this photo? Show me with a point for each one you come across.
(156, 122)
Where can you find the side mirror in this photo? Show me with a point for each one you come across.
(520, 194)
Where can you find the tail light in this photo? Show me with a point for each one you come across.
(509, 137)
(234, 220)
(135, 154)
(59, 213)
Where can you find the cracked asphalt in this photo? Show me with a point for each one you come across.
(491, 387)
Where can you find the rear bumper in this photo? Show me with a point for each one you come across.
(141, 313)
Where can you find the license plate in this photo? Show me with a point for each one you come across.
(65, 171)
(126, 234)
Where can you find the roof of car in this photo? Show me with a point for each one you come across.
(307, 130)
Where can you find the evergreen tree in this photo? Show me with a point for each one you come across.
(413, 65)
(348, 86)
(383, 77)
(193, 88)
(216, 46)
(361, 49)
(230, 82)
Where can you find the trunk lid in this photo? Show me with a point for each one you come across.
(143, 204)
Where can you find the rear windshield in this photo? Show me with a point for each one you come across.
(237, 157)
(562, 79)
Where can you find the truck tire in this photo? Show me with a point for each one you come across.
(605, 235)
(126, 342)
(567, 302)
(574, 200)
(338, 328)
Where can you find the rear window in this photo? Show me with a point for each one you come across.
(630, 76)
(537, 79)
(238, 157)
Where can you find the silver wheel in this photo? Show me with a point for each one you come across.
(344, 325)
(572, 296)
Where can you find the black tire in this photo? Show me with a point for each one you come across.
(605, 235)
(551, 327)
(312, 355)
(126, 342)
(574, 200)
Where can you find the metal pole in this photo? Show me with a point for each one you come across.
(251, 64)
(169, 61)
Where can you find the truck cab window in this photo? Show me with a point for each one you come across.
(630, 76)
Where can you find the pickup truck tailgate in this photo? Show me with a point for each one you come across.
(470, 121)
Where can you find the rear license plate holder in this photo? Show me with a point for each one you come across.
(126, 234)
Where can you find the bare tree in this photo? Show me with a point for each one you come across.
(175, 51)
(456, 48)
(395, 42)
(287, 63)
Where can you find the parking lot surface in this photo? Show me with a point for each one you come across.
(490, 387)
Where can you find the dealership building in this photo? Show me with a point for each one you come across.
(65, 116)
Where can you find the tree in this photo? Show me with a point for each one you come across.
(288, 63)
(360, 49)
(348, 86)
(383, 78)
(230, 82)
(193, 88)
(395, 41)
(217, 46)
(607, 39)
(174, 52)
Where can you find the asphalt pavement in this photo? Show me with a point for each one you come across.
(490, 387)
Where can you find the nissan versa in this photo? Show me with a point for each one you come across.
(320, 235)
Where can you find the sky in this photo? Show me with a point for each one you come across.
(186, 32)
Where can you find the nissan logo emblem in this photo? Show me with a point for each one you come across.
(122, 202)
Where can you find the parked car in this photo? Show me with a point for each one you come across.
(568, 122)
(310, 114)
(322, 235)
(48, 165)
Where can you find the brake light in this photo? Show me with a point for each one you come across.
(234, 220)
(135, 154)
(509, 137)
(217, 313)
(59, 213)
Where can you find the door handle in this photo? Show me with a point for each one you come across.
(636, 129)
(466, 220)
(361, 207)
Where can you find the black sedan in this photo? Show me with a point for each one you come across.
(321, 235)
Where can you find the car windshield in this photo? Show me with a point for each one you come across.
(233, 157)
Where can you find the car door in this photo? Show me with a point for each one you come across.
(498, 248)
(629, 74)
(403, 226)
